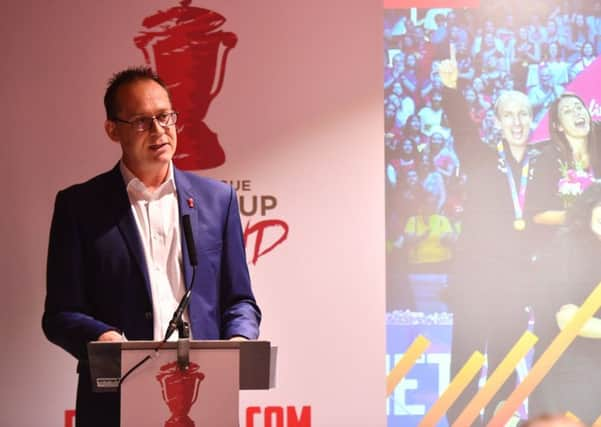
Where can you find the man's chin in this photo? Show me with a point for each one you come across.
(164, 160)
(163, 154)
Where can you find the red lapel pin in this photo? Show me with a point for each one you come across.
(190, 202)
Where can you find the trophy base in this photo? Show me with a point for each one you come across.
(179, 421)
(198, 148)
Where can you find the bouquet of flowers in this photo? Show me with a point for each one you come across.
(573, 182)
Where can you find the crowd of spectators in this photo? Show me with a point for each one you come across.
(535, 47)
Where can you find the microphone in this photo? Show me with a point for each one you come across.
(189, 240)
(183, 304)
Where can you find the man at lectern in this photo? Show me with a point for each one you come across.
(118, 257)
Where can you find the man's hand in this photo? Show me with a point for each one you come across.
(449, 70)
(238, 338)
(551, 217)
(111, 336)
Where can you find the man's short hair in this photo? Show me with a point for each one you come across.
(125, 77)
(507, 95)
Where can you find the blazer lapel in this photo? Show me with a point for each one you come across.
(127, 225)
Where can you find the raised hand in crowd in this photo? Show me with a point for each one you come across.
(448, 70)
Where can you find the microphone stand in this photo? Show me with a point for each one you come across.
(183, 345)
(176, 322)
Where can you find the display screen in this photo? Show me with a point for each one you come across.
(493, 224)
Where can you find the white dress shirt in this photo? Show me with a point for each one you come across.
(157, 219)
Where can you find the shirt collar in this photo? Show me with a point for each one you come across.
(136, 187)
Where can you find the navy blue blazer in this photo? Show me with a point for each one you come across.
(97, 279)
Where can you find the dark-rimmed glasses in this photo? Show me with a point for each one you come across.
(142, 124)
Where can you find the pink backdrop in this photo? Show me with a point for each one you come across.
(300, 117)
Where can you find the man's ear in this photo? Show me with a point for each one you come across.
(110, 128)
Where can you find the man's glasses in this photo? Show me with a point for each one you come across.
(142, 124)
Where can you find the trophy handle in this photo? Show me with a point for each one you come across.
(198, 379)
(163, 393)
(229, 41)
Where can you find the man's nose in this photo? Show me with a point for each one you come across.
(156, 127)
(516, 120)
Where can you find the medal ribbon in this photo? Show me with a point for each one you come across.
(517, 196)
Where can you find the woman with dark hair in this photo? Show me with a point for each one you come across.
(556, 64)
(408, 77)
(476, 104)
(572, 272)
(579, 32)
(408, 156)
(413, 126)
(577, 141)
(574, 133)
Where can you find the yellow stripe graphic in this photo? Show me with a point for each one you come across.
(455, 388)
(404, 365)
(548, 358)
(496, 380)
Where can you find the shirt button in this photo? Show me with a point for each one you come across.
(148, 315)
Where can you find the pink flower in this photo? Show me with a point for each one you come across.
(574, 182)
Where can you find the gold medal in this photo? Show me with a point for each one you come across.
(519, 224)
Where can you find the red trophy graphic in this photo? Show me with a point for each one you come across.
(184, 44)
(180, 391)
